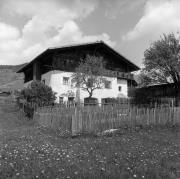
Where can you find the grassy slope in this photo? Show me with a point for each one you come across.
(9, 79)
(31, 152)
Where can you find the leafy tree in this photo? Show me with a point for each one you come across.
(162, 61)
(143, 79)
(38, 93)
(89, 74)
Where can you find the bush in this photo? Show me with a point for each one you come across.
(37, 94)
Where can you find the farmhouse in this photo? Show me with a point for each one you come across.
(55, 67)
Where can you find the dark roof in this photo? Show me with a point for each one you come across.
(104, 45)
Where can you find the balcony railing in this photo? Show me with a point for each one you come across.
(117, 74)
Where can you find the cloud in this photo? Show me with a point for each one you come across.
(116, 7)
(43, 7)
(8, 32)
(159, 17)
(50, 23)
(71, 33)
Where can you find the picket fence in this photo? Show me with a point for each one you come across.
(95, 119)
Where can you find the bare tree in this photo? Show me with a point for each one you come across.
(89, 74)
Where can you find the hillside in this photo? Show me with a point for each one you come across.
(14, 68)
(9, 79)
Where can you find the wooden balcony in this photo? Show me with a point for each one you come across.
(118, 74)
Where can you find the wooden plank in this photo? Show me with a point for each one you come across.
(95, 119)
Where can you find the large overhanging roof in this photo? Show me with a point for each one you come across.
(98, 43)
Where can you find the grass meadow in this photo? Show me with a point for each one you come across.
(28, 151)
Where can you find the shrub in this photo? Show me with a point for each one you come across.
(38, 94)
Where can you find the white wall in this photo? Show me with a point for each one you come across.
(55, 80)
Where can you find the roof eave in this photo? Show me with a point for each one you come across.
(136, 68)
(133, 66)
(31, 62)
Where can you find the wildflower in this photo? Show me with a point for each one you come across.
(102, 169)
(11, 164)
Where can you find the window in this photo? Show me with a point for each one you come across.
(65, 80)
(44, 81)
(60, 100)
(70, 99)
(120, 88)
(108, 84)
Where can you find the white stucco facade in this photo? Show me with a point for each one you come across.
(54, 79)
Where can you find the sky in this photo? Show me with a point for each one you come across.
(28, 27)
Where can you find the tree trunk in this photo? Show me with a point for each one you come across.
(90, 94)
(78, 96)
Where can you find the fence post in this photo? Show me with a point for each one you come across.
(74, 122)
(73, 125)
(130, 116)
(133, 117)
(80, 121)
(147, 113)
(173, 114)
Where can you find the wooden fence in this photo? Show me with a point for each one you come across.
(94, 119)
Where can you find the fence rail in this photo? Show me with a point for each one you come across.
(94, 119)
